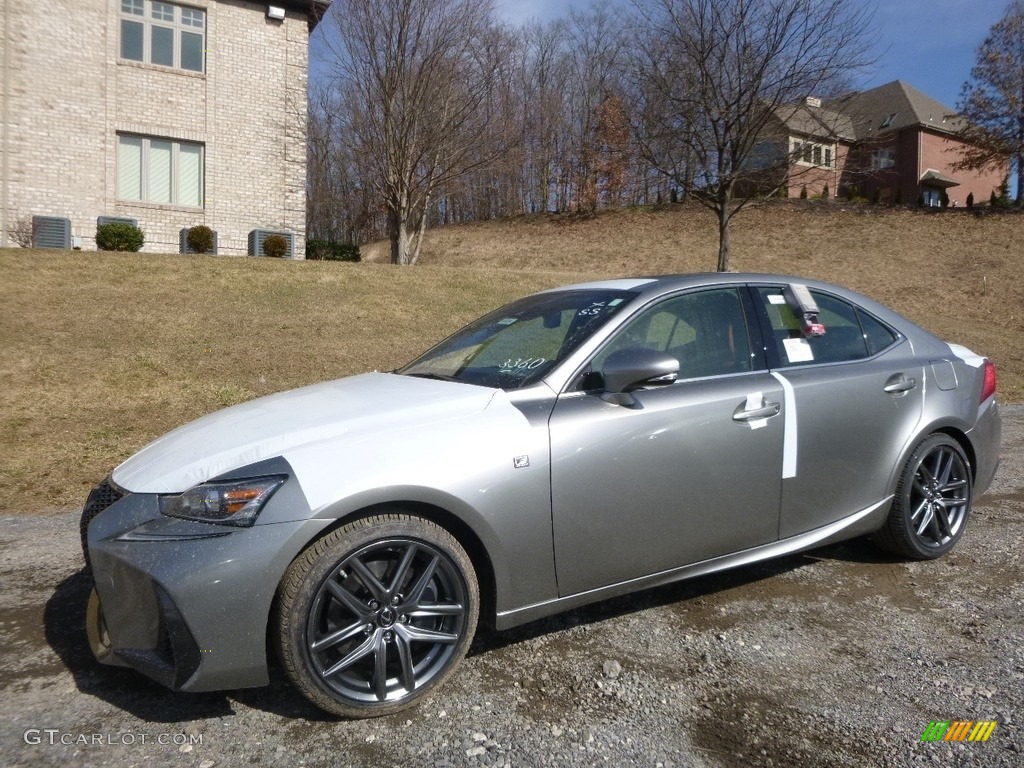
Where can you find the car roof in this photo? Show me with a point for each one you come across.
(659, 284)
(652, 286)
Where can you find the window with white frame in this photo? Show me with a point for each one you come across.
(155, 170)
(812, 153)
(883, 158)
(163, 33)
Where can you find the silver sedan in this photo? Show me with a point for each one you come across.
(576, 444)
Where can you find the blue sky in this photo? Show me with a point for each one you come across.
(929, 44)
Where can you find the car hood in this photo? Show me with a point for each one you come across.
(271, 426)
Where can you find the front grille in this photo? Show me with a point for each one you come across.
(101, 497)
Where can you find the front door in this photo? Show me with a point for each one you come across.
(691, 471)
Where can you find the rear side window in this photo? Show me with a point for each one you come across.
(877, 336)
(850, 333)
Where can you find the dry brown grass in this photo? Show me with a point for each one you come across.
(103, 352)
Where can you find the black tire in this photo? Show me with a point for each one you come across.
(375, 615)
(933, 501)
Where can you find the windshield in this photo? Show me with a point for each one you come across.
(519, 343)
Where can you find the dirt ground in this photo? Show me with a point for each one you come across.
(840, 656)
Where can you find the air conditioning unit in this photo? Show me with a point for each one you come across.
(183, 241)
(101, 220)
(51, 232)
(257, 236)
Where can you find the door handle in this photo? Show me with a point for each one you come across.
(764, 412)
(899, 384)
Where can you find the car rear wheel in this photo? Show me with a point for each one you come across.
(376, 614)
(932, 503)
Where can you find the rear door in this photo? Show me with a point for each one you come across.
(854, 398)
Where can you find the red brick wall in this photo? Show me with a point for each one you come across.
(939, 152)
(917, 151)
(817, 177)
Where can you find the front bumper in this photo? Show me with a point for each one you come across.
(186, 603)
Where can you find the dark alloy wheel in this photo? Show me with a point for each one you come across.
(932, 503)
(376, 614)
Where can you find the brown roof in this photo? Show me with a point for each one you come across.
(811, 120)
(892, 107)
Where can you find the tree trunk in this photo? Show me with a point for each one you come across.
(421, 229)
(1020, 179)
(723, 237)
(399, 239)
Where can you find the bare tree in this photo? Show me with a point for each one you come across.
(715, 74)
(21, 231)
(414, 76)
(992, 101)
(595, 55)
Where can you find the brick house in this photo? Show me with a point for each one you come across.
(893, 141)
(172, 114)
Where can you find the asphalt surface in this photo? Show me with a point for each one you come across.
(837, 657)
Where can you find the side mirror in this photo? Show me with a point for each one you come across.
(630, 369)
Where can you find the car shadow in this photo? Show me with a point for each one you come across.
(64, 626)
(859, 550)
(655, 597)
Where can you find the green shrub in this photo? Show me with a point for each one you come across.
(329, 250)
(898, 200)
(119, 236)
(876, 196)
(803, 192)
(825, 193)
(944, 199)
(970, 200)
(275, 246)
(200, 239)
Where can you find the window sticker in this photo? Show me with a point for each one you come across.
(593, 310)
(507, 321)
(798, 350)
(614, 302)
(521, 366)
(776, 298)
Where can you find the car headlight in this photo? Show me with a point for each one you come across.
(235, 502)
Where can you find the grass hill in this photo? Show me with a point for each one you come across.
(103, 352)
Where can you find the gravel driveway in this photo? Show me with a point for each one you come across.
(838, 657)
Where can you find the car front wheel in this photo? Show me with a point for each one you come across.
(932, 502)
(376, 614)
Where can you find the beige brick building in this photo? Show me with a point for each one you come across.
(173, 114)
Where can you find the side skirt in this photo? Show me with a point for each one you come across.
(864, 521)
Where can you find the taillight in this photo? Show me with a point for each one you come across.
(988, 388)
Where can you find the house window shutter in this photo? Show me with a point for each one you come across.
(160, 162)
(190, 175)
(129, 168)
(162, 46)
(131, 40)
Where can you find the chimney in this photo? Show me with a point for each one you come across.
(813, 101)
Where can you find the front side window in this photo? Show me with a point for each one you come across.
(155, 170)
(706, 331)
(520, 343)
(163, 33)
